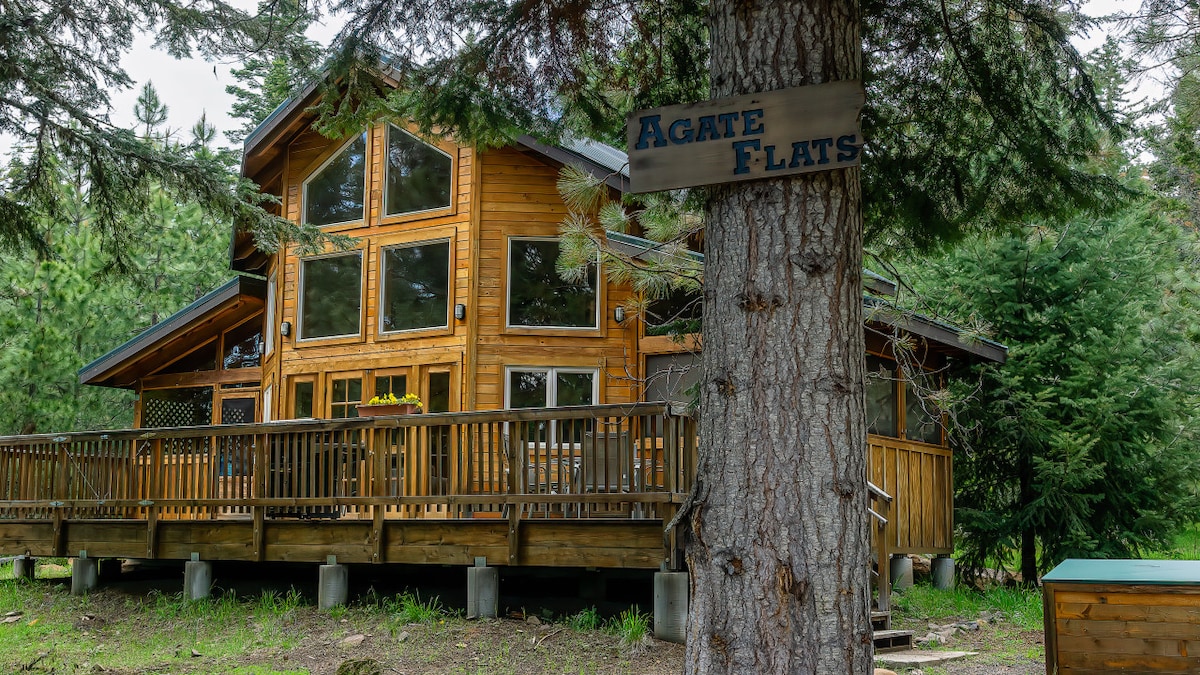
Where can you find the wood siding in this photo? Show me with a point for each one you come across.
(1107, 628)
(499, 194)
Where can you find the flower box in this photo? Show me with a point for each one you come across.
(380, 409)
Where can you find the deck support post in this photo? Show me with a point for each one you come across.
(671, 606)
(333, 584)
(197, 579)
(942, 569)
(23, 567)
(902, 571)
(483, 590)
(84, 574)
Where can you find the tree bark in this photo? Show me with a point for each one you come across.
(778, 547)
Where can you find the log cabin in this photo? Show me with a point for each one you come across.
(536, 446)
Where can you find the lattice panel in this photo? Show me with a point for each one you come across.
(163, 413)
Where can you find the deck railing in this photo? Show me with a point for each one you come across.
(631, 461)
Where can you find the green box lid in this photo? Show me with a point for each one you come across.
(1176, 572)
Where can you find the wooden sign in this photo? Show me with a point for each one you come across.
(774, 133)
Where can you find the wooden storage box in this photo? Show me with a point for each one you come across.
(1122, 616)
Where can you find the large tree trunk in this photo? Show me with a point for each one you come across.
(779, 543)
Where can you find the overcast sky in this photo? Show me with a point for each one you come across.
(192, 87)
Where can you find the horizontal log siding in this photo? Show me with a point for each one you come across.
(519, 199)
(373, 351)
(1093, 628)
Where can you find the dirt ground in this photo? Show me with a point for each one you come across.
(130, 630)
(1001, 650)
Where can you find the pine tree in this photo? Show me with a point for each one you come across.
(61, 61)
(781, 486)
(1082, 444)
(266, 80)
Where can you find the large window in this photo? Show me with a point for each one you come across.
(883, 399)
(418, 174)
(679, 313)
(243, 346)
(550, 387)
(415, 287)
(921, 415)
(892, 408)
(336, 192)
(331, 296)
(539, 297)
(302, 399)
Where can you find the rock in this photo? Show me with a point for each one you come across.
(884, 671)
(360, 667)
(922, 567)
(404, 635)
(352, 641)
(195, 654)
(534, 620)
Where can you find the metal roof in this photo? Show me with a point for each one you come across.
(230, 290)
(880, 310)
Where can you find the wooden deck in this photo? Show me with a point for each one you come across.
(568, 487)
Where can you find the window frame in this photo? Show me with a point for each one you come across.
(381, 256)
(342, 338)
(366, 136)
(270, 323)
(901, 382)
(551, 383)
(327, 401)
(597, 329)
(317, 392)
(388, 218)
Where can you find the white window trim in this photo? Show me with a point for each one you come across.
(300, 297)
(449, 284)
(508, 305)
(551, 382)
(267, 395)
(270, 324)
(387, 168)
(316, 172)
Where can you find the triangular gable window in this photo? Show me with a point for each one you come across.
(336, 192)
(418, 174)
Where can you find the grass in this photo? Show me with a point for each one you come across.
(1186, 546)
(408, 608)
(1018, 606)
(587, 619)
(58, 630)
(631, 625)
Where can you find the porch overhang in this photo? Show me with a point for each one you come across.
(162, 343)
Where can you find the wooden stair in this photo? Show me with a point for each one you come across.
(886, 639)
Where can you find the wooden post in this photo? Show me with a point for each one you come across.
(261, 474)
(378, 452)
(152, 510)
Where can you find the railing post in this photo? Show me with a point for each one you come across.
(261, 472)
(377, 452)
(60, 493)
(156, 460)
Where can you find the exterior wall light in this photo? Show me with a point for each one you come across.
(619, 314)
(460, 311)
(285, 328)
